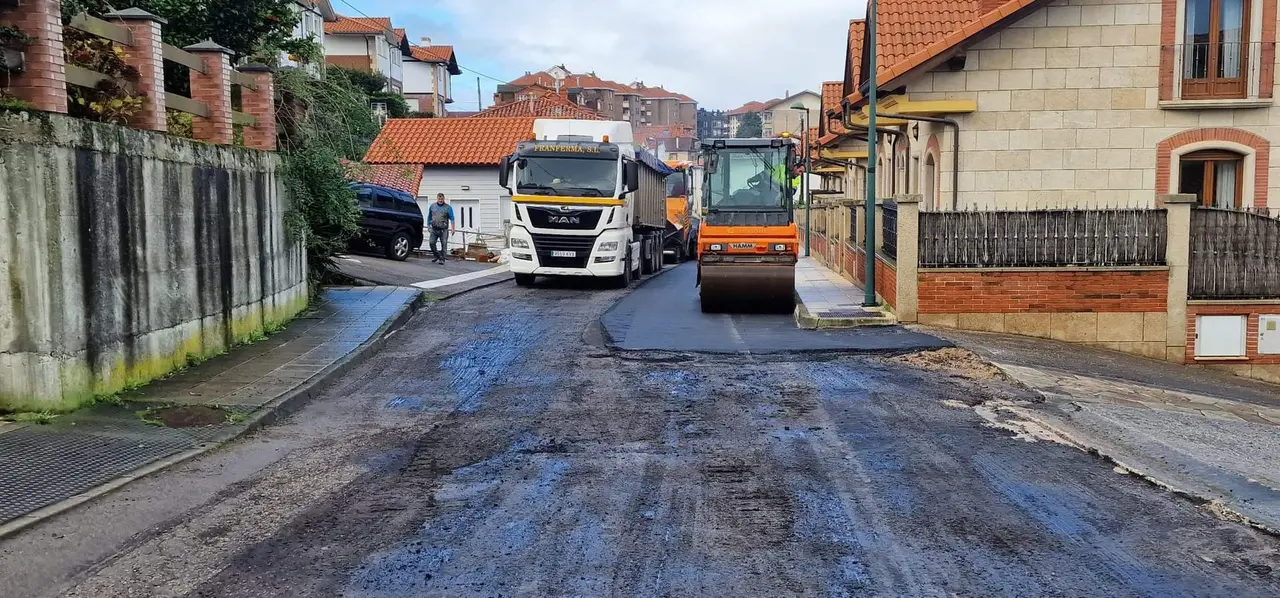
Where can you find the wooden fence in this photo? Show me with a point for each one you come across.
(1234, 255)
(1042, 238)
(84, 77)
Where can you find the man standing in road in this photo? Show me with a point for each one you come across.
(440, 219)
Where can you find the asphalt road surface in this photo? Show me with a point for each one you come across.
(494, 448)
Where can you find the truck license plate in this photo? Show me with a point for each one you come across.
(564, 254)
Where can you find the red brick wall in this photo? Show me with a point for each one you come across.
(44, 82)
(853, 262)
(1218, 309)
(887, 281)
(1043, 292)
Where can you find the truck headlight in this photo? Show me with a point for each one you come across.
(519, 243)
(608, 246)
(716, 247)
(779, 247)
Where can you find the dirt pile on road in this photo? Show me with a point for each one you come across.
(953, 361)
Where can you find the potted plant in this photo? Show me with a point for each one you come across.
(13, 42)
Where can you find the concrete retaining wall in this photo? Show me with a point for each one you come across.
(124, 254)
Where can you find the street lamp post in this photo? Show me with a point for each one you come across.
(869, 297)
(804, 182)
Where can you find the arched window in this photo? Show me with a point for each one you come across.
(929, 180)
(1215, 176)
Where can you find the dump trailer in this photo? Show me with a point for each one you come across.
(587, 202)
(747, 241)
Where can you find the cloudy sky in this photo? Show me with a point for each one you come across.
(723, 53)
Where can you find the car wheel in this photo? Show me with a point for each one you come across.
(398, 247)
(525, 280)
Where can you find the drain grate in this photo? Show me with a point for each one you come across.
(43, 466)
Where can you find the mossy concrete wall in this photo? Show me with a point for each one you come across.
(124, 254)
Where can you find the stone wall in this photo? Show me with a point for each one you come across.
(127, 254)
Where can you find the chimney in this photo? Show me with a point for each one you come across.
(426, 41)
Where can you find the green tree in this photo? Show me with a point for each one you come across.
(751, 126)
(321, 124)
(369, 81)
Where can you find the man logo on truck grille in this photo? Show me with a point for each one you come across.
(564, 219)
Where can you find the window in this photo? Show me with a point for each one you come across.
(768, 116)
(1214, 176)
(382, 201)
(1215, 52)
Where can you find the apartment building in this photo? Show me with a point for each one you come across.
(369, 44)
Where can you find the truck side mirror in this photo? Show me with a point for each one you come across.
(504, 172)
(631, 175)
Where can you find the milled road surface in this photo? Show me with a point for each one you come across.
(494, 449)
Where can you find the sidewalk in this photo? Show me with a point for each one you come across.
(828, 300)
(1206, 434)
(76, 457)
(439, 280)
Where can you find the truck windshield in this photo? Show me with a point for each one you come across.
(676, 186)
(748, 178)
(543, 175)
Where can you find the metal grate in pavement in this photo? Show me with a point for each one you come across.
(40, 466)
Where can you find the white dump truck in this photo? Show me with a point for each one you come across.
(587, 201)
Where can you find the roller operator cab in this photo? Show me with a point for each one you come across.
(748, 237)
(587, 202)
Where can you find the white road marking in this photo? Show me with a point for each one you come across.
(461, 278)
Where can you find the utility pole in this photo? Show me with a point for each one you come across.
(869, 299)
(808, 194)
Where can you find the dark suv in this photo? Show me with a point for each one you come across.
(390, 219)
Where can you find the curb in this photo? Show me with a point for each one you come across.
(808, 321)
(276, 409)
(1196, 490)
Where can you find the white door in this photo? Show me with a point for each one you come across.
(466, 214)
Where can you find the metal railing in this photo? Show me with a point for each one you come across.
(889, 229)
(1226, 69)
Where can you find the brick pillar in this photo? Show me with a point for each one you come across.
(260, 103)
(146, 55)
(43, 81)
(908, 257)
(1178, 258)
(213, 89)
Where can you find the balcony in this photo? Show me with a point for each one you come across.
(1217, 74)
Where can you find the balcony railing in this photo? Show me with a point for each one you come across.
(1221, 70)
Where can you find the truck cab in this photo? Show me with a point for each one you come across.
(582, 201)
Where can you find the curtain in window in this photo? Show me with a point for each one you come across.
(1224, 191)
(1232, 30)
(1195, 37)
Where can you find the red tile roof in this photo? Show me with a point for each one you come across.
(591, 81)
(365, 25)
(399, 35)
(449, 141)
(832, 93)
(545, 105)
(431, 53)
(753, 107)
(911, 33)
(853, 62)
(405, 177)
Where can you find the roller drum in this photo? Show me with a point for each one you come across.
(748, 288)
